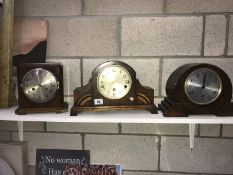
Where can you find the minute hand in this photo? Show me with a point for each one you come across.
(203, 81)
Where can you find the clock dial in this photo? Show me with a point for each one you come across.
(203, 86)
(39, 85)
(114, 82)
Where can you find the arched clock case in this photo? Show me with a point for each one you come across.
(40, 88)
(113, 86)
(197, 89)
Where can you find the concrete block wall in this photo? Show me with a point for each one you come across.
(159, 35)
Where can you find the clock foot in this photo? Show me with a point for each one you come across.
(154, 110)
(24, 111)
(73, 113)
(20, 112)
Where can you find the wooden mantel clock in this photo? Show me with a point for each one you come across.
(113, 86)
(40, 88)
(197, 89)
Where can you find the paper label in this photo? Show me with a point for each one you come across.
(98, 101)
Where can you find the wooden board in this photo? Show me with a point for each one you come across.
(6, 42)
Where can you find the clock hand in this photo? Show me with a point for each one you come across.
(203, 81)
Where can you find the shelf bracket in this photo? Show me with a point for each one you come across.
(191, 135)
(20, 130)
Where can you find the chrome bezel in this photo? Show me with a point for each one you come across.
(37, 70)
(212, 100)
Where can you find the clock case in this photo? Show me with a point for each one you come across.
(177, 104)
(56, 104)
(143, 97)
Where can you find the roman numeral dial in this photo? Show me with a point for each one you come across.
(114, 82)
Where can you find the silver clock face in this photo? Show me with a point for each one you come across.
(114, 82)
(203, 86)
(39, 85)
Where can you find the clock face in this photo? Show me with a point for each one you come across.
(203, 86)
(114, 82)
(39, 85)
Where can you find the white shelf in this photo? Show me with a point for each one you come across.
(114, 117)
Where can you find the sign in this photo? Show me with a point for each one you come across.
(55, 161)
(93, 169)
